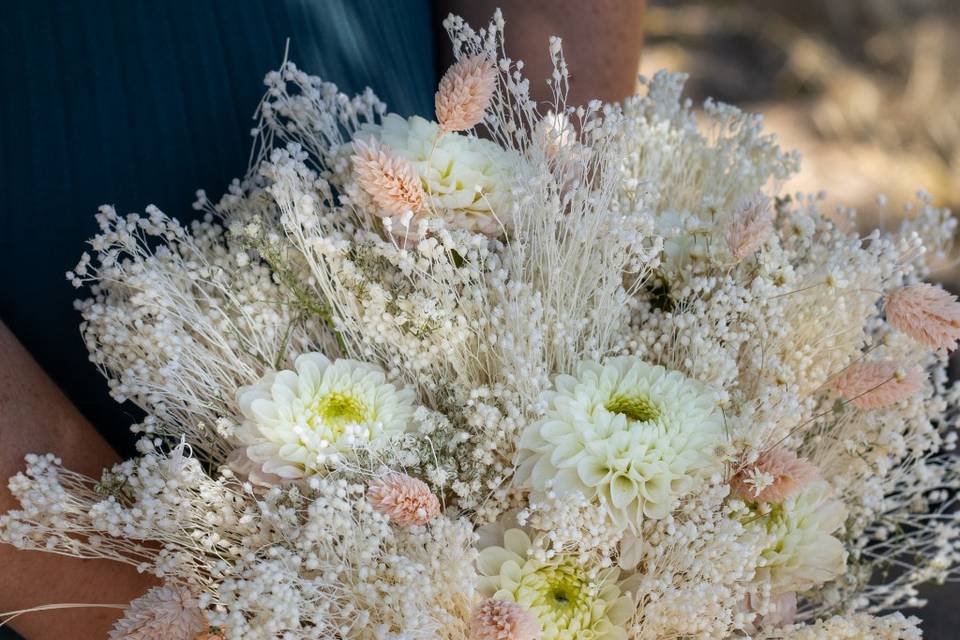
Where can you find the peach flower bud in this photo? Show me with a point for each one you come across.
(404, 500)
(464, 93)
(788, 472)
(502, 620)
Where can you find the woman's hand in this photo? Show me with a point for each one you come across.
(35, 417)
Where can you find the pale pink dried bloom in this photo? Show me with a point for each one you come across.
(162, 613)
(873, 385)
(503, 620)
(464, 93)
(781, 611)
(925, 312)
(789, 472)
(752, 223)
(404, 500)
(390, 179)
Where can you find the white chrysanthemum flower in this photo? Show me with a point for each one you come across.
(299, 422)
(465, 178)
(632, 435)
(803, 554)
(567, 600)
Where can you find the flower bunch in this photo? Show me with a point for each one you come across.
(504, 373)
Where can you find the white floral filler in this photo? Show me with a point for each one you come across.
(515, 371)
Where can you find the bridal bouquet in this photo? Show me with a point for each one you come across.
(515, 371)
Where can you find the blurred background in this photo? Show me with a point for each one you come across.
(867, 90)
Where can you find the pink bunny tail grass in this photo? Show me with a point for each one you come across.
(925, 312)
(464, 93)
(391, 180)
(404, 500)
(789, 472)
(752, 224)
(502, 620)
(874, 385)
(162, 613)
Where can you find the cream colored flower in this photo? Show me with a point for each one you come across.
(465, 179)
(803, 554)
(162, 613)
(560, 593)
(632, 435)
(299, 422)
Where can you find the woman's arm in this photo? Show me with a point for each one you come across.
(602, 39)
(35, 417)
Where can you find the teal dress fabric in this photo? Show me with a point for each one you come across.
(137, 102)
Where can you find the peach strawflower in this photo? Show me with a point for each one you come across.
(404, 500)
(873, 385)
(752, 223)
(464, 93)
(502, 620)
(775, 476)
(390, 179)
(925, 312)
(162, 613)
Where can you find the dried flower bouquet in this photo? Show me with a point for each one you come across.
(519, 371)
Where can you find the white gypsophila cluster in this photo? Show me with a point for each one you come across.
(696, 566)
(287, 561)
(719, 165)
(348, 573)
(569, 523)
(631, 436)
(896, 471)
(178, 327)
(856, 627)
(589, 360)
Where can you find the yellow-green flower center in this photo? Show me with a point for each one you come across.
(558, 594)
(336, 410)
(638, 408)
